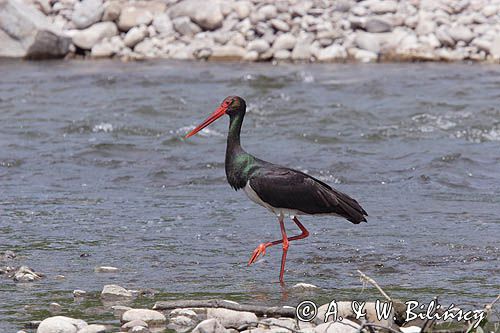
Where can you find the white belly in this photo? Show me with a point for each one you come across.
(275, 210)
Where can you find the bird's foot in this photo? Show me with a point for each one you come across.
(260, 250)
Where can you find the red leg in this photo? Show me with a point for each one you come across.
(285, 250)
(261, 249)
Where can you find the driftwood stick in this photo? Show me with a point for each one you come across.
(366, 278)
(260, 311)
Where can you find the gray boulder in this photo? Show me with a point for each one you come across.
(25, 32)
(206, 13)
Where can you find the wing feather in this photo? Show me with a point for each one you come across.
(292, 189)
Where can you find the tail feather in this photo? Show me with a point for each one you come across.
(353, 210)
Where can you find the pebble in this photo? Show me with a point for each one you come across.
(131, 39)
(79, 293)
(61, 324)
(133, 323)
(331, 53)
(111, 269)
(93, 328)
(210, 326)
(112, 292)
(377, 25)
(151, 317)
(87, 38)
(55, 307)
(205, 13)
(344, 326)
(259, 45)
(131, 16)
(285, 42)
(231, 318)
(367, 42)
(139, 329)
(305, 286)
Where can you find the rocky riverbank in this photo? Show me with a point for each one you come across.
(258, 30)
(135, 311)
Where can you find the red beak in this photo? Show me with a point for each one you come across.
(221, 110)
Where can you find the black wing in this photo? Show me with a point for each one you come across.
(292, 189)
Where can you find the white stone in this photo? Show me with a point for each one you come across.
(286, 324)
(363, 55)
(285, 42)
(113, 292)
(106, 269)
(282, 54)
(60, 324)
(136, 322)
(495, 48)
(302, 49)
(86, 13)
(103, 49)
(242, 9)
(25, 274)
(184, 26)
(490, 10)
(267, 12)
(482, 44)
(151, 317)
(367, 42)
(119, 310)
(163, 24)
(443, 34)
(132, 38)
(131, 16)
(383, 7)
(93, 328)
(461, 33)
(259, 45)
(344, 326)
(227, 52)
(55, 307)
(206, 13)
(112, 10)
(87, 38)
(331, 53)
(280, 25)
(210, 326)
(183, 312)
(139, 329)
(251, 56)
(230, 317)
(79, 293)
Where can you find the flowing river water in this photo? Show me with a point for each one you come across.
(94, 171)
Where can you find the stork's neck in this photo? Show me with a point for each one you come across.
(233, 135)
(236, 158)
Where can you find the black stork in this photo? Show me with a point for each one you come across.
(283, 191)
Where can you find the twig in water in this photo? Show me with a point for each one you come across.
(366, 278)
